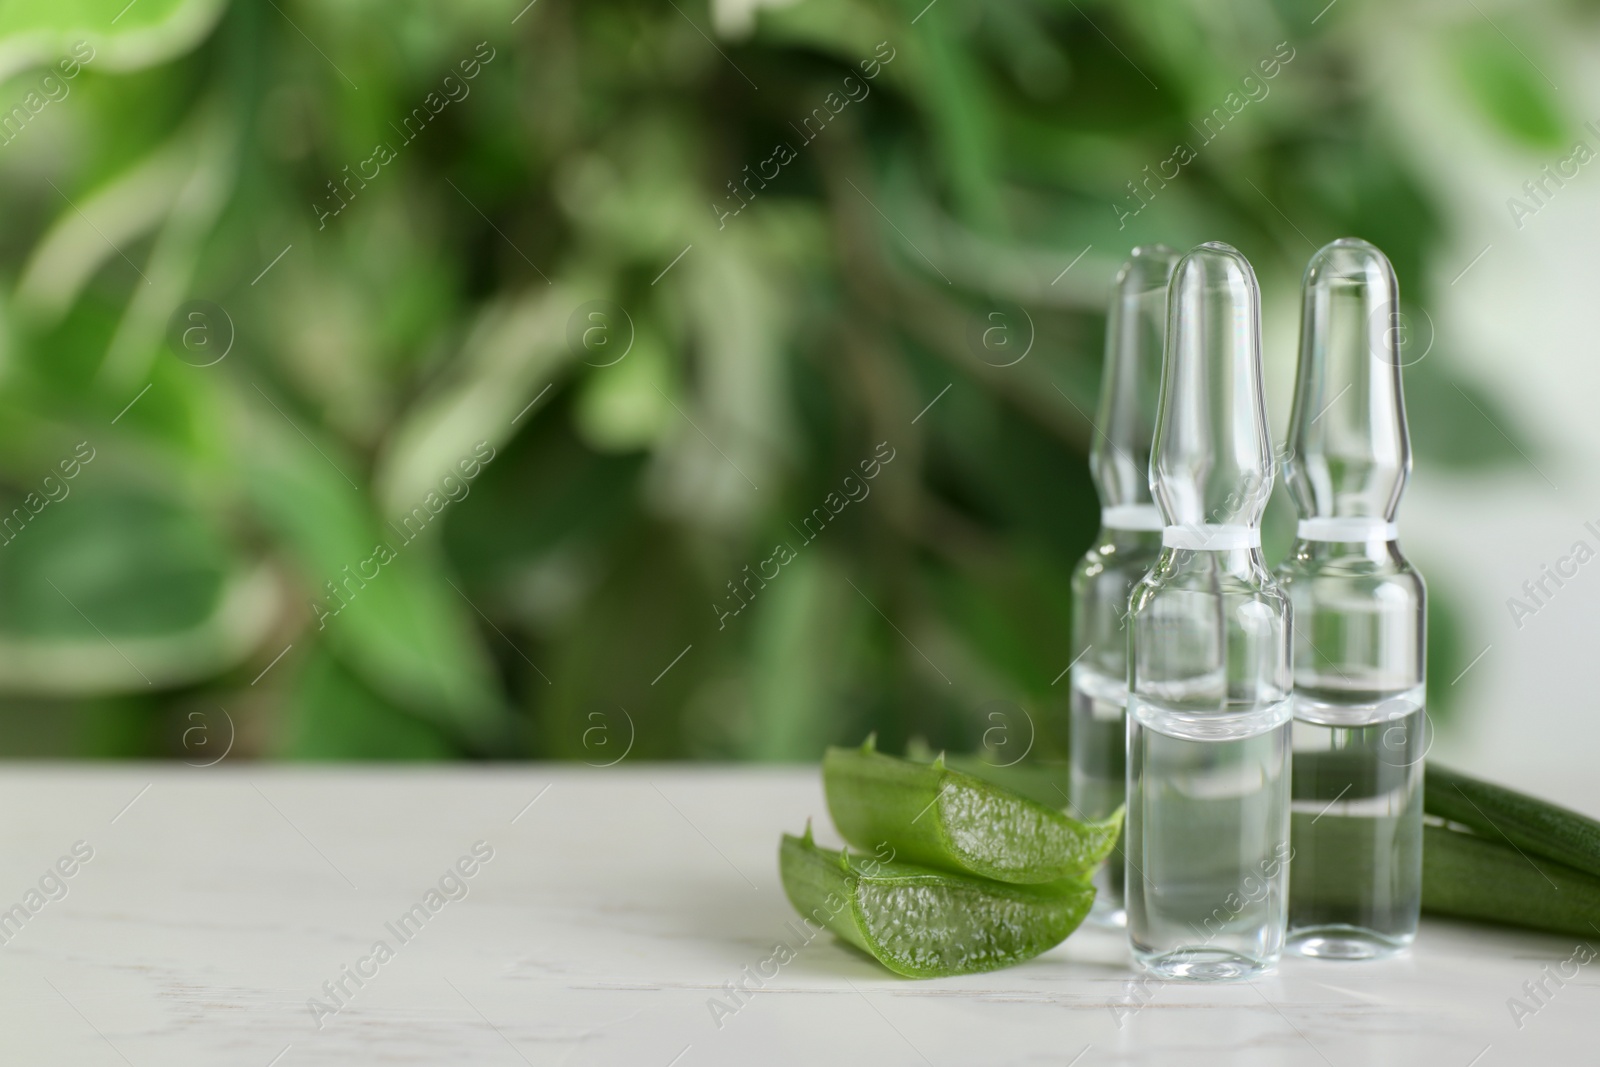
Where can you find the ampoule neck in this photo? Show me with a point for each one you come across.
(1131, 523)
(1123, 543)
(1247, 565)
(1211, 469)
(1349, 452)
(1136, 326)
(1363, 554)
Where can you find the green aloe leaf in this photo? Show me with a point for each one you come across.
(933, 815)
(1505, 815)
(923, 923)
(1046, 783)
(1468, 876)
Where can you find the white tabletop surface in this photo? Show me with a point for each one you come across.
(218, 901)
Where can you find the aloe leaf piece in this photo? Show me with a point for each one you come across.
(936, 816)
(1469, 876)
(1502, 814)
(922, 923)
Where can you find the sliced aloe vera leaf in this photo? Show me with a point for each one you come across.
(1500, 814)
(1470, 876)
(922, 923)
(1044, 783)
(939, 817)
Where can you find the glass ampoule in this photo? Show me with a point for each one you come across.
(1126, 547)
(1209, 709)
(1360, 621)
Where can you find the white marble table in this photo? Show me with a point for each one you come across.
(218, 901)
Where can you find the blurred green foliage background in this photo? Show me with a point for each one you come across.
(442, 364)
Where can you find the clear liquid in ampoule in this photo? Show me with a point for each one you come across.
(1212, 830)
(1128, 545)
(1099, 774)
(1210, 713)
(1357, 822)
(1360, 621)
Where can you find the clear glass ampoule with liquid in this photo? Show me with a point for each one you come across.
(1127, 546)
(1209, 710)
(1360, 622)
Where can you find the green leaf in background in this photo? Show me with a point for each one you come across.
(123, 36)
(391, 616)
(1447, 651)
(1505, 76)
(1458, 425)
(643, 640)
(116, 591)
(335, 716)
(783, 324)
(798, 644)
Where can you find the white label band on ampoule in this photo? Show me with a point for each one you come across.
(1349, 528)
(1132, 517)
(1211, 537)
